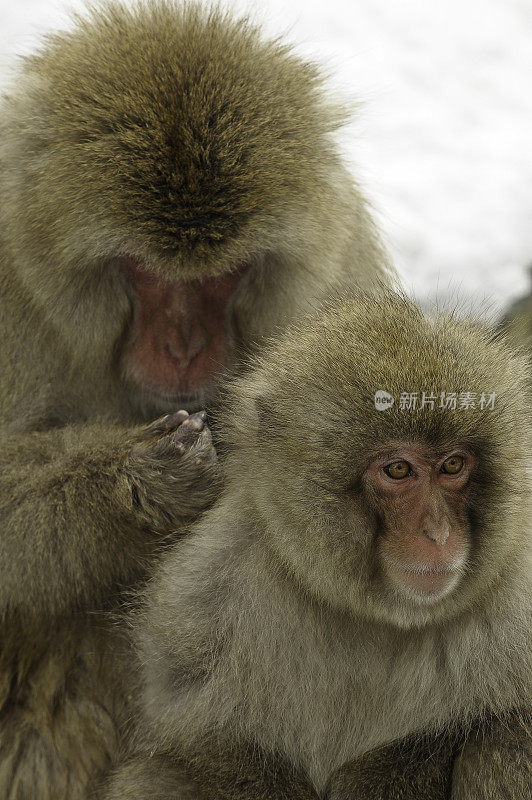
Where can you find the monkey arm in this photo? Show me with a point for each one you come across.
(213, 772)
(81, 507)
(496, 761)
(409, 769)
(148, 777)
(494, 764)
(67, 538)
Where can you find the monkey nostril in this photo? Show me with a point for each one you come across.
(438, 534)
(186, 346)
(197, 340)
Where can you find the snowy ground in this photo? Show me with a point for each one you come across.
(443, 137)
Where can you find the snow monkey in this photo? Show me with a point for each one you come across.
(363, 582)
(170, 195)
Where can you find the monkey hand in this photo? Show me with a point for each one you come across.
(173, 470)
(410, 769)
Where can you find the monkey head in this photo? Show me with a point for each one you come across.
(168, 182)
(407, 513)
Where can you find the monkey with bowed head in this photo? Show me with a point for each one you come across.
(170, 195)
(352, 618)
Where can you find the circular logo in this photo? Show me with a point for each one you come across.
(383, 400)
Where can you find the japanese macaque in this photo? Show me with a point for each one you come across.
(170, 195)
(363, 582)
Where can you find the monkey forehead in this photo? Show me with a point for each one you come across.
(189, 120)
(330, 368)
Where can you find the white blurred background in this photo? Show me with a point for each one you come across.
(442, 141)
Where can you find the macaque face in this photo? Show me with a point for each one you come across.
(182, 332)
(399, 515)
(392, 529)
(420, 496)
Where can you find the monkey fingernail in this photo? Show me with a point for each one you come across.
(196, 422)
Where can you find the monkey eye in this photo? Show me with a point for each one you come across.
(398, 470)
(452, 465)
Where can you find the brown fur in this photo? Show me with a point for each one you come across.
(273, 625)
(496, 761)
(221, 769)
(416, 768)
(174, 135)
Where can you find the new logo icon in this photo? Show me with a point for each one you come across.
(383, 400)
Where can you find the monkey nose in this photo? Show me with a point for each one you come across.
(186, 345)
(437, 533)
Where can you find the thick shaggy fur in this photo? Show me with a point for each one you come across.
(177, 135)
(272, 626)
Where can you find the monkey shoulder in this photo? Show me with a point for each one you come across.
(187, 625)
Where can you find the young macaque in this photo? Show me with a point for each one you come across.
(362, 588)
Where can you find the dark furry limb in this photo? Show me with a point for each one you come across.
(496, 761)
(417, 768)
(210, 772)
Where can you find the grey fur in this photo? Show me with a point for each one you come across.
(272, 624)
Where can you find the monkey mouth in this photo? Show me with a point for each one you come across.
(425, 569)
(424, 582)
(162, 402)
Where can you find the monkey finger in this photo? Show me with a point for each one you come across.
(197, 457)
(164, 425)
(171, 421)
(203, 450)
(197, 420)
(190, 427)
